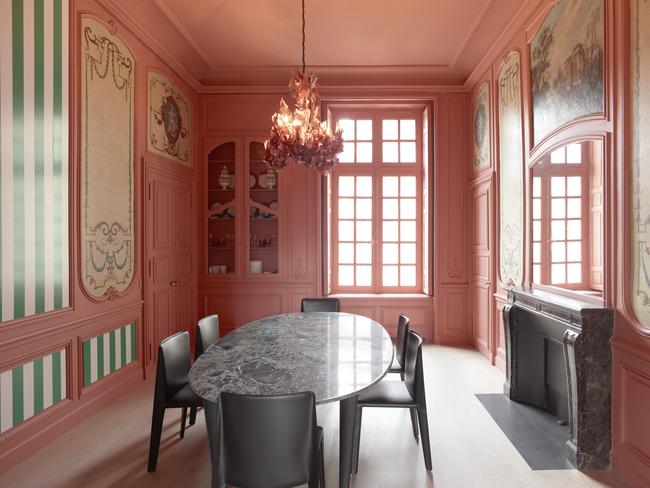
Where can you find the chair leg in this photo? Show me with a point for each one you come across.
(357, 440)
(193, 415)
(154, 439)
(322, 464)
(426, 445)
(183, 418)
(414, 421)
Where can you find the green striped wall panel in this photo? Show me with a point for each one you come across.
(106, 353)
(28, 389)
(33, 157)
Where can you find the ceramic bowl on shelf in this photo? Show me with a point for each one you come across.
(261, 179)
(256, 266)
(231, 212)
(251, 180)
(274, 205)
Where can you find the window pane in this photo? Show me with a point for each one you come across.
(537, 208)
(389, 276)
(537, 252)
(347, 156)
(364, 208)
(390, 231)
(574, 273)
(558, 208)
(346, 208)
(407, 253)
(557, 156)
(537, 186)
(364, 186)
(346, 186)
(407, 129)
(346, 253)
(537, 230)
(364, 130)
(364, 253)
(408, 186)
(346, 230)
(348, 129)
(390, 186)
(407, 208)
(364, 231)
(407, 275)
(558, 274)
(573, 208)
(574, 229)
(364, 152)
(346, 275)
(390, 152)
(558, 252)
(389, 254)
(364, 275)
(557, 186)
(537, 273)
(574, 251)
(407, 231)
(389, 130)
(391, 207)
(574, 186)
(558, 228)
(407, 152)
(574, 153)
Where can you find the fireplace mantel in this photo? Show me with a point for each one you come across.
(536, 321)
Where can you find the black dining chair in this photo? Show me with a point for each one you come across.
(271, 441)
(172, 389)
(399, 394)
(320, 305)
(207, 333)
(397, 365)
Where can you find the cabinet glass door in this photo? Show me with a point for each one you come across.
(263, 212)
(221, 243)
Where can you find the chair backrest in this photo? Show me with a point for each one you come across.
(174, 363)
(402, 337)
(268, 440)
(207, 333)
(413, 371)
(320, 305)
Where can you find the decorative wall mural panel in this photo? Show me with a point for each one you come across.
(169, 120)
(28, 389)
(481, 128)
(107, 181)
(33, 158)
(511, 194)
(640, 239)
(106, 353)
(567, 65)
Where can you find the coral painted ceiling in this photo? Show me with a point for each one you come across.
(348, 41)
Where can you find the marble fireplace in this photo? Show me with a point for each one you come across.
(559, 359)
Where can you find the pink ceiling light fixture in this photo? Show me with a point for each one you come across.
(299, 135)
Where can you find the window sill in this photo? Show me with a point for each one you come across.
(416, 296)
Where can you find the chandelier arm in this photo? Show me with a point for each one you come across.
(303, 36)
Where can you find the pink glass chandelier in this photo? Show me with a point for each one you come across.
(299, 135)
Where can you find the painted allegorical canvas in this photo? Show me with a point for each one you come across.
(511, 178)
(640, 205)
(567, 65)
(481, 112)
(107, 153)
(169, 119)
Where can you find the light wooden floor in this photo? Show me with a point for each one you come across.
(468, 449)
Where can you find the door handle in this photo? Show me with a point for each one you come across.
(174, 283)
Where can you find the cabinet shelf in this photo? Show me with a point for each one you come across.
(221, 248)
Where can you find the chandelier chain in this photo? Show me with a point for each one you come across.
(303, 36)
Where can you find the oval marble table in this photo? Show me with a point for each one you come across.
(335, 355)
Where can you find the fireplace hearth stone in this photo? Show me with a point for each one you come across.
(537, 324)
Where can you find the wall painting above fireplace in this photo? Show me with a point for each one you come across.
(567, 65)
(640, 205)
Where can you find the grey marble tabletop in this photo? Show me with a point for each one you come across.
(335, 355)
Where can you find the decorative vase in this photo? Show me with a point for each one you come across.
(271, 178)
(224, 178)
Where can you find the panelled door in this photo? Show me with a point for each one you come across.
(169, 271)
(482, 267)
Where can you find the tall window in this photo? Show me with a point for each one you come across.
(560, 217)
(377, 205)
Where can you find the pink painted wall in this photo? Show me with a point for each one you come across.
(29, 338)
(631, 343)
